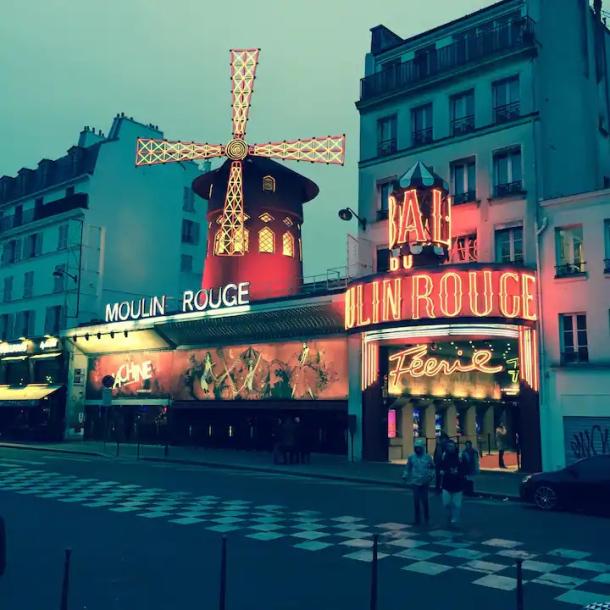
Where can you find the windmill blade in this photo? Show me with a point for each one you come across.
(330, 149)
(151, 151)
(243, 71)
(230, 237)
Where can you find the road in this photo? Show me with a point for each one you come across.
(147, 535)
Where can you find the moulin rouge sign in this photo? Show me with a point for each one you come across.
(418, 219)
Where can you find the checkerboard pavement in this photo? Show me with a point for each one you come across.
(570, 575)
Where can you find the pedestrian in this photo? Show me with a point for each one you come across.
(419, 473)
(439, 450)
(453, 473)
(303, 446)
(501, 444)
(276, 434)
(470, 457)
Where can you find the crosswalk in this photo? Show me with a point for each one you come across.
(569, 575)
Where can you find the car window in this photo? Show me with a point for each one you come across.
(595, 467)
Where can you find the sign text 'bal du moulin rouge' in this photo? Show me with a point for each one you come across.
(230, 295)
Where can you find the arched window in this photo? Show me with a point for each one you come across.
(287, 244)
(269, 183)
(266, 240)
(220, 246)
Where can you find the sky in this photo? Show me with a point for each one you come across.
(69, 63)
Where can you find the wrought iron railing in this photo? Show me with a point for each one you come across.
(507, 112)
(508, 188)
(466, 197)
(512, 36)
(568, 269)
(462, 125)
(579, 354)
(386, 147)
(422, 136)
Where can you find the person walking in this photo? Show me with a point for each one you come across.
(470, 457)
(419, 473)
(453, 473)
(501, 444)
(439, 450)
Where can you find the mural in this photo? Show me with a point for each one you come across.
(294, 370)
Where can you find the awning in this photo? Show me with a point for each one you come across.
(26, 396)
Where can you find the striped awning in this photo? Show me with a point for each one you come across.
(420, 176)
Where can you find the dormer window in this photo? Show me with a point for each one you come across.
(269, 184)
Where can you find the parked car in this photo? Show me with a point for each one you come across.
(584, 485)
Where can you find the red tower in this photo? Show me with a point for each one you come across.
(244, 235)
(272, 257)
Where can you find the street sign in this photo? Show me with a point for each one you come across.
(107, 397)
(108, 381)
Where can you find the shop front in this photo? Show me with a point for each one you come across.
(32, 389)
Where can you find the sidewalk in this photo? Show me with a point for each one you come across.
(491, 484)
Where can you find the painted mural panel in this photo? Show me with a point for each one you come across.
(294, 370)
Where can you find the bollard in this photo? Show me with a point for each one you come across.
(2, 546)
(66, 583)
(374, 574)
(519, 584)
(222, 597)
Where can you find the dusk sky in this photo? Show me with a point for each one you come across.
(69, 63)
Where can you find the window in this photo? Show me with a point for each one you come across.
(28, 284)
(11, 251)
(383, 259)
(386, 136)
(506, 99)
(32, 245)
(288, 244)
(190, 232)
(507, 172)
(266, 217)
(54, 319)
(186, 263)
(509, 245)
(62, 237)
(269, 183)
(464, 249)
(188, 199)
(573, 335)
(7, 293)
(288, 222)
(59, 278)
(462, 113)
(607, 245)
(421, 125)
(24, 323)
(6, 326)
(463, 180)
(18, 217)
(384, 189)
(569, 251)
(266, 241)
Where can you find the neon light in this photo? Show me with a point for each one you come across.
(441, 219)
(391, 423)
(456, 294)
(419, 295)
(376, 302)
(528, 291)
(392, 224)
(361, 320)
(410, 220)
(350, 309)
(505, 296)
(414, 362)
(474, 293)
(392, 299)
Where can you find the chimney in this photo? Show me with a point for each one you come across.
(88, 136)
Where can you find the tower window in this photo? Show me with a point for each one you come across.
(288, 222)
(269, 183)
(266, 217)
(266, 240)
(288, 244)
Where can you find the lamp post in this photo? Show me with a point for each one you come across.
(347, 214)
(76, 279)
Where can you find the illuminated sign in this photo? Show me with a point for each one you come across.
(132, 372)
(230, 295)
(49, 343)
(14, 348)
(442, 293)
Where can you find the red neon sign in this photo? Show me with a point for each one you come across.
(442, 293)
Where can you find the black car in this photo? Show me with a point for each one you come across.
(584, 485)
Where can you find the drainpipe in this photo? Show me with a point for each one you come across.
(540, 228)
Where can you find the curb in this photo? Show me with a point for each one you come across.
(203, 463)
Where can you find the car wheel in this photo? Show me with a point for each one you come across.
(545, 497)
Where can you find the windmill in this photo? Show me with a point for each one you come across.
(231, 238)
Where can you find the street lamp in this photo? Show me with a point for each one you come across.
(348, 214)
(63, 273)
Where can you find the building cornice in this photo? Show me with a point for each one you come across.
(598, 197)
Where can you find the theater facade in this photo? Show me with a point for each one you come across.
(368, 363)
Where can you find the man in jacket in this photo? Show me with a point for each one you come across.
(470, 457)
(419, 473)
(439, 451)
(453, 471)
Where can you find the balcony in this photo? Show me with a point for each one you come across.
(507, 112)
(462, 125)
(71, 202)
(422, 136)
(570, 269)
(386, 147)
(508, 188)
(466, 197)
(513, 36)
